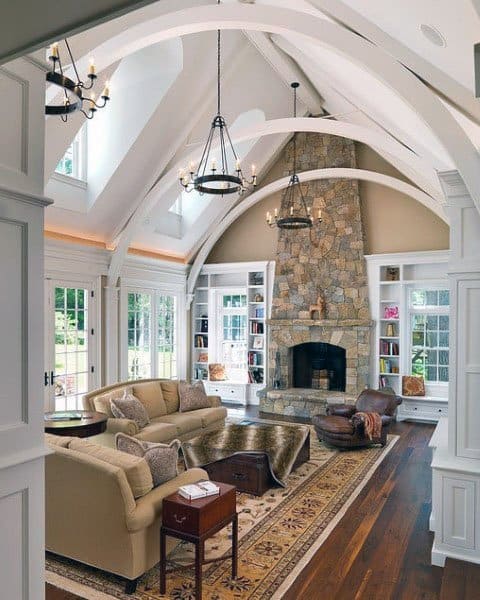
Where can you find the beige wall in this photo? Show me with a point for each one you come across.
(393, 222)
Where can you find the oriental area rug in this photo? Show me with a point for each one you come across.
(278, 534)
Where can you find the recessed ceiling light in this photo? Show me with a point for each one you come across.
(433, 35)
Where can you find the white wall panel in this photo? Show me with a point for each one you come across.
(13, 403)
(13, 544)
(13, 132)
(459, 502)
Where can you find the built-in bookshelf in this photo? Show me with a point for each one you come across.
(391, 279)
(252, 283)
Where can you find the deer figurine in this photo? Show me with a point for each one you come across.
(319, 308)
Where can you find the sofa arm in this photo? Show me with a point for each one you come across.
(386, 420)
(149, 507)
(214, 401)
(341, 410)
(126, 426)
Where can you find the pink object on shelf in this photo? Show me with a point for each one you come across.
(391, 312)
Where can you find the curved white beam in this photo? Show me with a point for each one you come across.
(280, 184)
(320, 31)
(380, 141)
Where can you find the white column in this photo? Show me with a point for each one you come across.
(456, 460)
(112, 345)
(22, 449)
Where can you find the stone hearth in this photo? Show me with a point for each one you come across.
(302, 402)
(327, 261)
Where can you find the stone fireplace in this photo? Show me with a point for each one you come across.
(326, 261)
(317, 365)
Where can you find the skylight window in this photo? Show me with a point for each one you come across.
(74, 163)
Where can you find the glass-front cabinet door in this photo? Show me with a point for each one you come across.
(70, 371)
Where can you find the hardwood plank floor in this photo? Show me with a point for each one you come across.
(380, 550)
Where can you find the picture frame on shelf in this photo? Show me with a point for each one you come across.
(257, 343)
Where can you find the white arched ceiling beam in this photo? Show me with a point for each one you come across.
(280, 184)
(317, 30)
(382, 142)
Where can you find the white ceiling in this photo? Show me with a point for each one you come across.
(163, 99)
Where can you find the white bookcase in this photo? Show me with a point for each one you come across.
(391, 277)
(254, 280)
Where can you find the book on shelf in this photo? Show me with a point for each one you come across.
(202, 489)
(256, 327)
(259, 313)
(389, 348)
(254, 358)
(201, 341)
(255, 375)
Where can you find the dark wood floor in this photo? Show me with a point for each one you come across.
(380, 550)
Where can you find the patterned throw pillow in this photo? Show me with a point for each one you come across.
(413, 386)
(162, 459)
(192, 397)
(216, 372)
(131, 408)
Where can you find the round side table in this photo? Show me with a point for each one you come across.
(90, 423)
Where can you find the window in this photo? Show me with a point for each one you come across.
(139, 335)
(429, 334)
(151, 335)
(232, 334)
(166, 337)
(74, 163)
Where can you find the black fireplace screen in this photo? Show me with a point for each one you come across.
(318, 365)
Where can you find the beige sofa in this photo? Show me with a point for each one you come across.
(102, 509)
(161, 401)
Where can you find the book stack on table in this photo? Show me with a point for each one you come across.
(199, 490)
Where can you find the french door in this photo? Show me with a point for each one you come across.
(70, 339)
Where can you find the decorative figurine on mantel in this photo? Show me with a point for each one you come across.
(318, 308)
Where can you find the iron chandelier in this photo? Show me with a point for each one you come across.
(293, 215)
(212, 176)
(73, 98)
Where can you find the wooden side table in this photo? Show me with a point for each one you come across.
(91, 423)
(195, 521)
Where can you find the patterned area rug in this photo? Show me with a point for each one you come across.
(278, 534)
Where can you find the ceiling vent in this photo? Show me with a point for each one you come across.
(433, 35)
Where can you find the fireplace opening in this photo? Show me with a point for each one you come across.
(318, 365)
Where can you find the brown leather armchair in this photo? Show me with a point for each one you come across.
(336, 427)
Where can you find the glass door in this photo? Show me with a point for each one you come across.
(70, 371)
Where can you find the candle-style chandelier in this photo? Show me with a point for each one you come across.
(293, 215)
(72, 98)
(212, 176)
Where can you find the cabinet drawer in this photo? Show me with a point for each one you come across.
(227, 392)
(424, 410)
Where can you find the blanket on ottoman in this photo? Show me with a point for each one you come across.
(280, 443)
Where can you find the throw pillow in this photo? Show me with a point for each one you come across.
(192, 397)
(131, 408)
(413, 386)
(151, 396)
(216, 372)
(161, 458)
(170, 395)
(102, 403)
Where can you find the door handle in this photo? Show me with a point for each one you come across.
(45, 379)
(52, 377)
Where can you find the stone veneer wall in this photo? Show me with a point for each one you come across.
(327, 260)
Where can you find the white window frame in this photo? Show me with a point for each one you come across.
(217, 328)
(57, 279)
(79, 160)
(433, 387)
(180, 327)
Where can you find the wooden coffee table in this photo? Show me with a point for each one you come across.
(90, 423)
(195, 521)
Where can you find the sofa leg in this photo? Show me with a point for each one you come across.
(131, 586)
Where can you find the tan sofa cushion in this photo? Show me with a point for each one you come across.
(101, 403)
(135, 468)
(211, 415)
(170, 395)
(157, 431)
(58, 440)
(184, 422)
(151, 396)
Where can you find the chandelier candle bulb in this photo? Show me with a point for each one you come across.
(91, 68)
(106, 91)
(237, 165)
(275, 212)
(54, 51)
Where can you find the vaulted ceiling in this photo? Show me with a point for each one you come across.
(163, 99)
